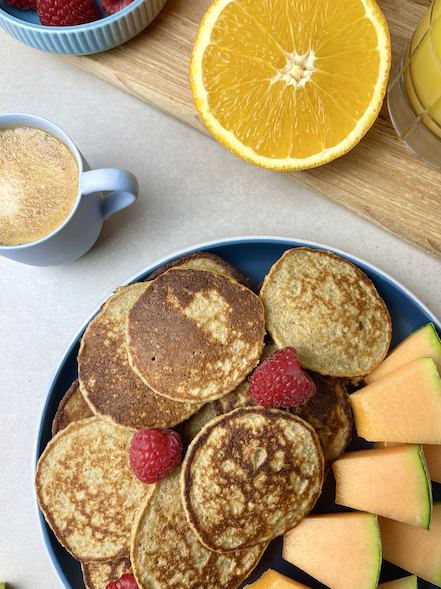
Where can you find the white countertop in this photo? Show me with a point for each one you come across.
(192, 190)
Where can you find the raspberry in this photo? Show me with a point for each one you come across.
(280, 382)
(124, 582)
(154, 453)
(63, 13)
(22, 4)
(112, 6)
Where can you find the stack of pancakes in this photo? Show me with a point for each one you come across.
(176, 351)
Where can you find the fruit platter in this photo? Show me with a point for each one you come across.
(254, 258)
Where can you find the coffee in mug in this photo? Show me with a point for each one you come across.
(52, 206)
(38, 184)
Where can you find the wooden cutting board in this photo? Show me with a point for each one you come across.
(380, 179)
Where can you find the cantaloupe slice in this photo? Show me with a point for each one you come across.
(403, 406)
(341, 550)
(393, 482)
(274, 580)
(432, 454)
(410, 582)
(423, 342)
(413, 549)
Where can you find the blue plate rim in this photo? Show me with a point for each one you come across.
(222, 242)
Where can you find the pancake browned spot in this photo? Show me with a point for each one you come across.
(110, 386)
(97, 575)
(194, 335)
(203, 261)
(87, 490)
(166, 554)
(249, 476)
(329, 310)
(72, 407)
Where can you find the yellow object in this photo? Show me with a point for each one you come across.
(341, 550)
(422, 78)
(403, 406)
(273, 580)
(290, 84)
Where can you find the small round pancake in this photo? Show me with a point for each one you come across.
(108, 383)
(329, 310)
(97, 575)
(203, 261)
(249, 476)
(87, 490)
(329, 413)
(72, 407)
(166, 554)
(240, 396)
(196, 422)
(194, 335)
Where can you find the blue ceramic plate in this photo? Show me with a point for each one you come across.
(253, 256)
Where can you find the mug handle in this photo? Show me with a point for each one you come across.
(124, 185)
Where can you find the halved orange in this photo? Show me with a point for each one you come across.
(290, 84)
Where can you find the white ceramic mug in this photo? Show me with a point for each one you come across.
(77, 234)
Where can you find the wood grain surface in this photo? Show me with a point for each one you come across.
(380, 179)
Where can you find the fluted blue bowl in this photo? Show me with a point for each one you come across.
(100, 35)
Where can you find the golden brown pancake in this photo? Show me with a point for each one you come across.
(108, 383)
(329, 310)
(87, 491)
(329, 413)
(166, 554)
(194, 335)
(249, 476)
(72, 407)
(203, 261)
(196, 422)
(97, 575)
(240, 396)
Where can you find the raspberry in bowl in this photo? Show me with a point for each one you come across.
(105, 26)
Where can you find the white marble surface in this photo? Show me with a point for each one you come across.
(192, 191)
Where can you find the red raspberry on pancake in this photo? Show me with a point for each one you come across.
(154, 453)
(64, 13)
(280, 382)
